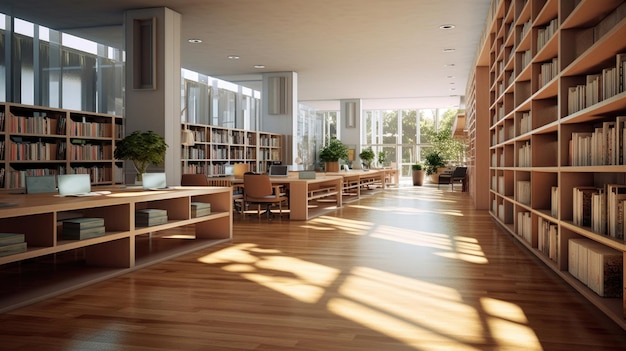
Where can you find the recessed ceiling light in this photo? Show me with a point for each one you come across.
(259, 66)
(447, 26)
(450, 77)
(449, 50)
(449, 65)
(233, 57)
(195, 41)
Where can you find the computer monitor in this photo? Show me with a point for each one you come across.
(74, 184)
(279, 171)
(151, 181)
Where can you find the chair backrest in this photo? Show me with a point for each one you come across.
(257, 185)
(239, 169)
(190, 179)
(459, 172)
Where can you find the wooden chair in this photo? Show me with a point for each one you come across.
(194, 180)
(258, 189)
(457, 175)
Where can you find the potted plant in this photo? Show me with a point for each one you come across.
(332, 152)
(382, 156)
(434, 161)
(367, 156)
(143, 149)
(418, 174)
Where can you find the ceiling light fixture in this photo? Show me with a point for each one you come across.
(259, 66)
(195, 41)
(233, 57)
(449, 50)
(447, 26)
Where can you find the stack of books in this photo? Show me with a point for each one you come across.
(150, 216)
(200, 209)
(11, 243)
(83, 228)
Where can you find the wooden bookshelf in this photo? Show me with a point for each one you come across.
(217, 147)
(41, 140)
(125, 245)
(554, 111)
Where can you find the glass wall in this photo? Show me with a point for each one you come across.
(403, 136)
(50, 68)
(310, 134)
(212, 101)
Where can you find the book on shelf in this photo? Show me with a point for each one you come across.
(11, 238)
(83, 223)
(12, 249)
(84, 233)
(554, 202)
(150, 216)
(581, 202)
(200, 209)
(598, 212)
(616, 194)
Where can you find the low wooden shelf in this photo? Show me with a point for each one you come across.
(123, 246)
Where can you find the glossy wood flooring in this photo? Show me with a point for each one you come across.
(411, 268)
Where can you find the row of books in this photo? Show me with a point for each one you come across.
(602, 209)
(600, 86)
(597, 266)
(90, 152)
(524, 155)
(523, 191)
(605, 145)
(2, 121)
(548, 238)
(2, 143)
(524, 226)
(546, 33)
(39, 151)
(90, 129)
(98, 174)
(34, 125)
(12, 243)
(548, 71)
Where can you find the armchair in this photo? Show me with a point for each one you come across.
(457, 175)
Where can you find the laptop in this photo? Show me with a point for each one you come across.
(77, 185)
(41, 184)
(279, 171)
(154, 181)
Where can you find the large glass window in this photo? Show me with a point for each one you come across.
(49, 68)
(212, 101)
(405, 136)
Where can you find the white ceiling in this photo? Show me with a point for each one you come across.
(390, 53)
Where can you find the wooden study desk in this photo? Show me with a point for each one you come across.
(124, 245)
(309, 198)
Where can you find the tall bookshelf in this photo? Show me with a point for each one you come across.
(555, 92)
(215, 148)
(38, 140)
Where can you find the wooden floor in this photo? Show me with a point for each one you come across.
(411, 268)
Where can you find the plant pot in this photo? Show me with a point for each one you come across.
(418, 177)
(332, 166)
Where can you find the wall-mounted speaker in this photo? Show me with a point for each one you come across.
(278, 95)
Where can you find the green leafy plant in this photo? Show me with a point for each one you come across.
(143, 149)
(333, 151)
(416, 167)
(434, 160)
(367, 156)
(382, 156)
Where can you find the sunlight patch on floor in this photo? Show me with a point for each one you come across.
(428, 316)
(407, 210)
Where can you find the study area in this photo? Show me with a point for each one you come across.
(512, 111)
